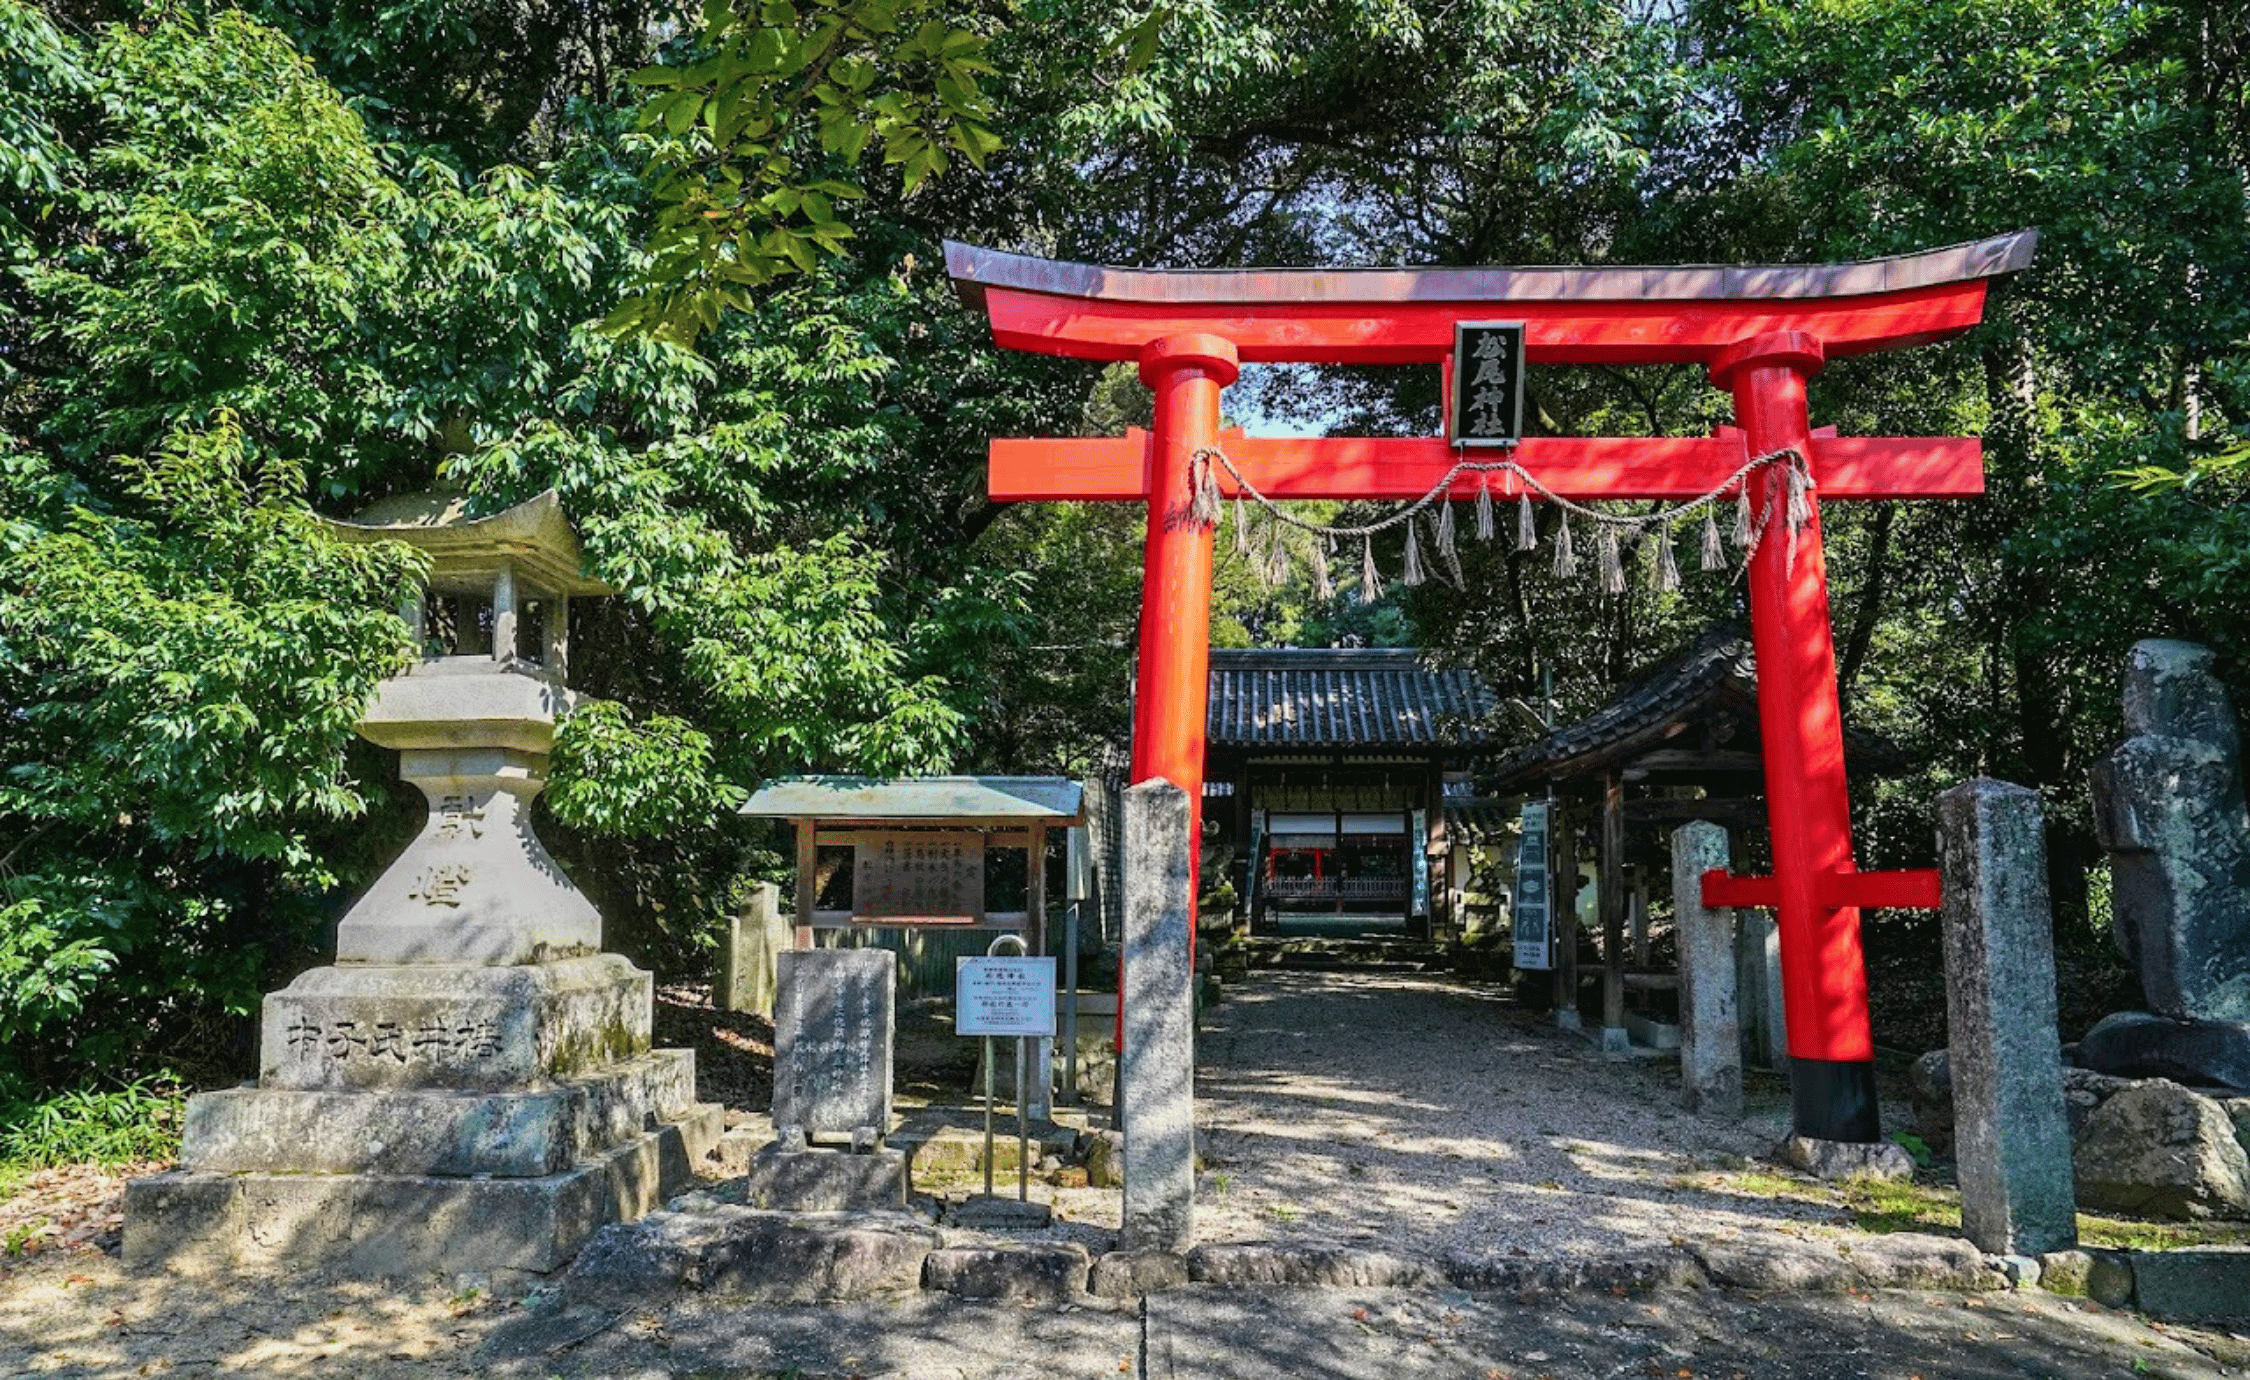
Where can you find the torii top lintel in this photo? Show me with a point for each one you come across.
(1610, 315)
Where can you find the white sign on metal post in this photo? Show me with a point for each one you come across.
(1004, 996)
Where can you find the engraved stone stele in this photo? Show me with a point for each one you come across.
(1157, 1073)
(470, 1087)
(833, 1027)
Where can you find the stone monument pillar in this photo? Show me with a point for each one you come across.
(750, 954)
(470, 1086)
(2169, 806)
(2012, 1135)
(1157, 1064)
(1710, 1033)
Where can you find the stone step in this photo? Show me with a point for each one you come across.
(509, 1135)
(948, 1148)
(1360, 955)
(397, 1226)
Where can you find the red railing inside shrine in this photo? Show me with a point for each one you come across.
(1760, 331)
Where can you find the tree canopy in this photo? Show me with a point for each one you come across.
(288, 257)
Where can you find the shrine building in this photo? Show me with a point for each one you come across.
(1325, 776)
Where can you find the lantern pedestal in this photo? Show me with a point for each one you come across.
(432, 1118)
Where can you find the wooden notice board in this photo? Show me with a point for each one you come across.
(927, 876)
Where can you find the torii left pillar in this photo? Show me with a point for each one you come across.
(1186, 373)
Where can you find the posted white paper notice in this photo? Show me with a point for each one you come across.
(1004, 996)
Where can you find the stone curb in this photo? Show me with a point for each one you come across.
(1528, 1278)
(2191, 1284)
(1046, 1273)
(790, 1257)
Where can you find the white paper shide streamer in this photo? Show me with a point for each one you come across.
(1264, 533)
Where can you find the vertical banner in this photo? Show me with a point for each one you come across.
(1417, 858)
(1531, 909)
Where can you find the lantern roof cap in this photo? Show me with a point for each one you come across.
(533, 536)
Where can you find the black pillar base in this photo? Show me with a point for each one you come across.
(1835, 1100)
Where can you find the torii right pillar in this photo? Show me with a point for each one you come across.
(1816, 890)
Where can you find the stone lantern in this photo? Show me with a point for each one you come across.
(471, 1085)
(473, 722)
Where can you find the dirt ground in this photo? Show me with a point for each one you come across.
(73, 1311)
(1417, 1114)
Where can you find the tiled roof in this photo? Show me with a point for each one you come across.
(1717, 667)
(1341, 697)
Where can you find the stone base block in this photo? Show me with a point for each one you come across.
(942, 1152)
(1309, 1264)
(2203, 1054)
(1846, 1159)
(999, 1214)
(755, 1256)
(1054, 1273)
(512, 1135)
(1898, 1260)
(398, 1226)
(1652, 1033)
(1130, 1274)
(825, 1180)
(482, 1029)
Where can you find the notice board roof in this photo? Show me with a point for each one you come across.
(923, 799)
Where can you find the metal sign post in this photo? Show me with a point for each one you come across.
(1078, 885)
(1012, 996)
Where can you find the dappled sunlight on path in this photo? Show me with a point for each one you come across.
(1425, 1116)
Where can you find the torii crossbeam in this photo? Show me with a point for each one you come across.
(1761, 332)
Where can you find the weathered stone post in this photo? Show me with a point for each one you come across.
(1710, 1028)
(1158, 1062)
(750, 957)
(1757, 981)
(2011, 1135)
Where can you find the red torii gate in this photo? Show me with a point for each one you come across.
(1761, 331)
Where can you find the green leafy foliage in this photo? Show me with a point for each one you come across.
(182, 673)
(132, 1124)
(761, 129)
(251, 303)
(262, 263)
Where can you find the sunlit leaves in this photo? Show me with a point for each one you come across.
(182, 678)
(618, 776)
(766, 125)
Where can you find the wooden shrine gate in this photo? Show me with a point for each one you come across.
(1761, 332)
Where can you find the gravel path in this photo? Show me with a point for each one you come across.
(1422, 1115)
